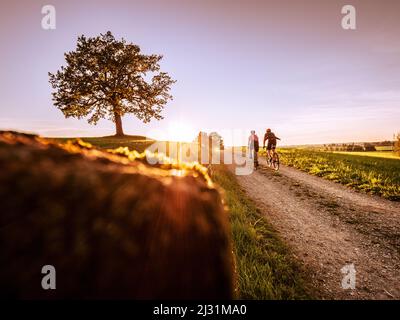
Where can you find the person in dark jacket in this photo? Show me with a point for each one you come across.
(271, 138)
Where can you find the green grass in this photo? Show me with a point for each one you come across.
(138, 143)
(376, 175)
(265, 268)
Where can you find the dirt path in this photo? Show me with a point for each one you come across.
(329, 226)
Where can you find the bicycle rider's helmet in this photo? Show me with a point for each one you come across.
(268, 130)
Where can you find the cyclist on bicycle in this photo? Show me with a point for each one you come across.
(271, 137)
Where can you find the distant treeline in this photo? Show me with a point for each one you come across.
(357, 146)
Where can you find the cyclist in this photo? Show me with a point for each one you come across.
(271, 137)
(254, 146)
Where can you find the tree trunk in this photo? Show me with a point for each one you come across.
(118, 125)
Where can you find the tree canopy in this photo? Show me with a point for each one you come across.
(108, 78)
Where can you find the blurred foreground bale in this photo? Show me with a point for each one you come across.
(112, 226)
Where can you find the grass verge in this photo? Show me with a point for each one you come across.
(265, 267)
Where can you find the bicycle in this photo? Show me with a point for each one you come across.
(273, 162)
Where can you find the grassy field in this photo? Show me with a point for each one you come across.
(374, 175)
(138, 143)
(384, 148)
(264, 265)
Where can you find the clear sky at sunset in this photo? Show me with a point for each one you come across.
(239, 65)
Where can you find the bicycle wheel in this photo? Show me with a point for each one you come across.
(275, 162)
(269, 161)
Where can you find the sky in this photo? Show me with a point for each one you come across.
(239, 65)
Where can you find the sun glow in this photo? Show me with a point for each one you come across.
(180, 131)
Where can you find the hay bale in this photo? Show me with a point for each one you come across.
(112, 226)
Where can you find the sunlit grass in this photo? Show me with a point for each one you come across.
(138, 143)
(379, 154)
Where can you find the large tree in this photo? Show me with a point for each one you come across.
(108, 78)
